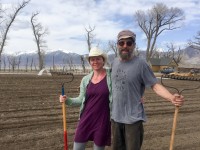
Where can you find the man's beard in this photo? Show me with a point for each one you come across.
(125, 56)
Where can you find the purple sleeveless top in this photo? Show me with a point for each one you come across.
(94, 124)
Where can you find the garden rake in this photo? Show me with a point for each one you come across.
(176, 110)
(62, 78)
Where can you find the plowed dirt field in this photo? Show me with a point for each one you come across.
(31, 115)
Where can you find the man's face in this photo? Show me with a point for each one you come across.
(125, 48)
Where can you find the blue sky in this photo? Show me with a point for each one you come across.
(67, 20)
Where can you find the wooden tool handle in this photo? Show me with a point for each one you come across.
(64, 122)
(174, 128)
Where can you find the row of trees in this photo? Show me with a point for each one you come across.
(14, 62)
(39, 32)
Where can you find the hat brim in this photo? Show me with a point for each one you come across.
(103, 55)
(124, 37)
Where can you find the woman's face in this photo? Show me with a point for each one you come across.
(96, 62)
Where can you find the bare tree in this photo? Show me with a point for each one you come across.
(89, 36)
(35, 65)
(9, 66)
(18, 62)
(68, 60)
(136, 51)
(89, 39)
(13, 62)
(174, 52)
(196, 42)
(156, 54)
(168, 53)
(54, 67)
(82, 62)
(156, 20)
(31, 65)
(39, 32)
(4, 62)
(178, 55)
(113, 46)
(26, 65)
(7, 22)
(171, 48)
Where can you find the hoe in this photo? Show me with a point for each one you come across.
(61, 78)
(177, 107)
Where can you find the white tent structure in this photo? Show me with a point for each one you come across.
(44, 71)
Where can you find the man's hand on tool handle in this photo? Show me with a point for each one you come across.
(177, 100)
(63, 98)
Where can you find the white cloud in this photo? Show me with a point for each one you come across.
(66, 21)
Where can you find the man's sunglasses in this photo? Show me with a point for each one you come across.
(128, 43)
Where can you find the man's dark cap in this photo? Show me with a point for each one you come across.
(124, 34)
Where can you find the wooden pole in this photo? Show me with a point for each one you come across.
(64, 122)
(174, 127)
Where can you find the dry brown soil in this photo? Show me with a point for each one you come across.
(31, 115)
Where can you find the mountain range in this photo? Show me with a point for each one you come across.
(60, 57)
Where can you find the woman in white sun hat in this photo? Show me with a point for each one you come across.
(94, 101)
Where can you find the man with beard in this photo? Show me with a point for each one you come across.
(130, 76)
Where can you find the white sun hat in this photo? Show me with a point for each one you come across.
(95, 51)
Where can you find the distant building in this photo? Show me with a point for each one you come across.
(158, 64)
(189, 67)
